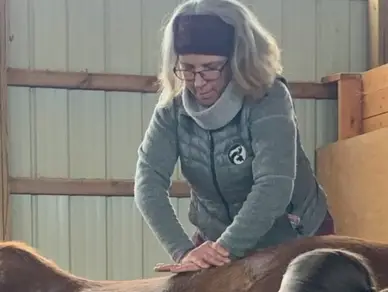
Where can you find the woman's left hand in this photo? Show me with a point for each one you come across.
(206, 255)
(177, 268)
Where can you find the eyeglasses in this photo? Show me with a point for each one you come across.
(206, 74)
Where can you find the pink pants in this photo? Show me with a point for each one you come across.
(327, 227)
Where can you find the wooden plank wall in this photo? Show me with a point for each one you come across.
(94, 134)
(354, 175)
(353, 170)
(375, 91)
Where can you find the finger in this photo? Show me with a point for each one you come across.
(199, 261)
(164, 267)
(220, 257)
(208, 256)
(189, 267)
(220, 249)
(215, 255)
(215, 259)
(220, 261)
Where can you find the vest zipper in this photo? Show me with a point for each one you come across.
(213, 170)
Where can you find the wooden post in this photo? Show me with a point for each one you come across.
(378, 32)
(350, 100)
(4, 187)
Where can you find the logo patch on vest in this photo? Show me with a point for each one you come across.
(237, 154)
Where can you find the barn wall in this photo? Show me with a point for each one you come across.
(85, 134)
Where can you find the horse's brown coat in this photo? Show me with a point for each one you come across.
(22, 269)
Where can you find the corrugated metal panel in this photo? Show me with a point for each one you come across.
(86, 134)
(358, 40)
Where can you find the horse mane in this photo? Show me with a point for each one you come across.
(18, 250)
(18, 261)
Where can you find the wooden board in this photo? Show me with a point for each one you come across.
(354, 173)
(4, 188)
(375, 122)
(375, 99)
(85, 187)
(378, 31)
(132, 83)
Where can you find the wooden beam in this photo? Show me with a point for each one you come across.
(131, 83)
(378, 32)
(350, 102)
(81, 80)
(84, 187)
(350, 99)
(312, 90)
(334, 78)
(4, 191)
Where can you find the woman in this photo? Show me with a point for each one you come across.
(329, 270)
(227, 115)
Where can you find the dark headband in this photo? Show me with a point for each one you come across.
(203, 34)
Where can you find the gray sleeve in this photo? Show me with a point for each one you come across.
(157, 157)
(273, 133)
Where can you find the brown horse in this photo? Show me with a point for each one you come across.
(22, 269)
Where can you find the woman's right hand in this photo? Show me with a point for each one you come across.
(207, 254)
(204, 256)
